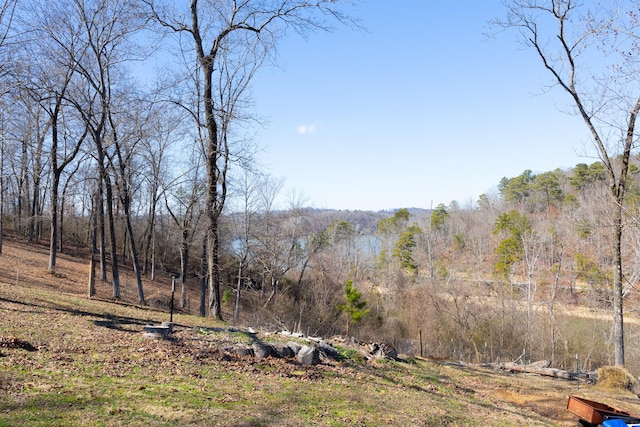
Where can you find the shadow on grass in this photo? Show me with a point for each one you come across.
(44, 409)
(119, 323)
(105, 320)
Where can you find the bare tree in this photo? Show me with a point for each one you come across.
(24, 128)
(59, 41)
(566, 37)
(163, 132)
(108, 27)
(69, 184)
(126, 134)
(242, 221)
(183, 204)
(532, 246)
(7, 9)
(275, 239)
(232, 27)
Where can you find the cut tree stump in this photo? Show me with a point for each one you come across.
(157, 332)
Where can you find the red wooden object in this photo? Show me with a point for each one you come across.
(593, 412)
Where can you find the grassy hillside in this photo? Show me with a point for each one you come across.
(67, 360)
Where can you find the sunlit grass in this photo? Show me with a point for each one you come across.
(94, 367)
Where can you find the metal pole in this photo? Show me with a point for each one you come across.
(577, 371)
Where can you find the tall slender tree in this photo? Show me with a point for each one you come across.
(108, 28)
(183, 202)
(126, 133)
(59, 41)
(7, 10)
(591, 55)
(216, 28)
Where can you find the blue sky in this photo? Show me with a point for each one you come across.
(420, 109)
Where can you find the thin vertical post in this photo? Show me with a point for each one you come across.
(577, 371)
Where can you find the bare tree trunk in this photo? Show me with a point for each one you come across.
(150, 229)
(125, 197)
(236, 310)
(185, 222)
(125, 240)
(184, 265)
(38, 190)
(61, 223)
(215, 306)
(62, 206)
(274, 290)
(134, 255)
(53, 243)
(214, 199)
(112, 234)
(129, 237)
(23, 189)
(34, 223)
(203, 279)
(618, 320)
(92, 276)
(94, 241)
(2, 142)
(153, 257)
(552, 301)
(153, 204)
(99, 212)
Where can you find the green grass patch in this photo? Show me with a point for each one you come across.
(350, 354)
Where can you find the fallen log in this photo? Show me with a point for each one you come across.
(547, 372)
(542, 368)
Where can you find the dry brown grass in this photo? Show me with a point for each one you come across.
(93, 367)
(616, 378)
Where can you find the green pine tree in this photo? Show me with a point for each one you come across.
(353, 306)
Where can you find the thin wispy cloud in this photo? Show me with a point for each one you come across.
(306, 129)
